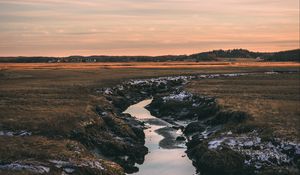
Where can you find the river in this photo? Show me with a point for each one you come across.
(162, 161)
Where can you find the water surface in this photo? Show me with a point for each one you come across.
(159, 161)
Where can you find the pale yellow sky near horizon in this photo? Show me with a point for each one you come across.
(145, 27)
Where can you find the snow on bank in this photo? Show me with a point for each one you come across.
(66, 166)
(17, 133)
(178, 97)
(165, 80)
(39, 169)
(70, 166)
(160, 80)
(258, 153)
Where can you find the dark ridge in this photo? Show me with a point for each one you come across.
(290, 55)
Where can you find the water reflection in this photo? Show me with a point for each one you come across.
(158, 160)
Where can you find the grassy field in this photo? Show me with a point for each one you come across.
(51, 100)
(51, 103)
(272, 100)
(242, 63)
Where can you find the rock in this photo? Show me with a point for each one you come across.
(69, 170)
(298, 163)
(139, 132)
(214, 144)
(196, 140)
(180, 138)
(225, 161)
(289, 150)
(177, 127)
(194, 127)
(248, 144)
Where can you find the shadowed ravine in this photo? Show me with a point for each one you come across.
(160, 160)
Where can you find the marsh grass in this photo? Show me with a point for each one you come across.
(272, 100)
(52, 101)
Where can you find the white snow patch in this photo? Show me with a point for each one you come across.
(160, 80)
(69, 170)
(60, 163)
(178, 97)
(264, 154)
(214, 144)
(271, 73)
(6, 133)
(16, 133)
(108, 91)
(21, 167)
(68, 164)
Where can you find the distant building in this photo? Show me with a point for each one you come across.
(259, 59)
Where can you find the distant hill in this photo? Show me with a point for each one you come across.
(235, 53)
(291, 55)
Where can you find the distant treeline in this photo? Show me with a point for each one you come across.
(291, 55)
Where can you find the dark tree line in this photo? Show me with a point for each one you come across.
(291, 55)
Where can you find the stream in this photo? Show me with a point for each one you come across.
(160, 160)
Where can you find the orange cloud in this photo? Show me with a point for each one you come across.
(140, 27)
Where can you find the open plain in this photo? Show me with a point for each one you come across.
(50, 120)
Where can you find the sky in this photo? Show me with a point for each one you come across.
(145, 27)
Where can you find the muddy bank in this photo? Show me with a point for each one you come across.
(119, 138)
(75, 160)
(216, 139)
(127, 150)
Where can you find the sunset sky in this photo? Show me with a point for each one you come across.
(145, 27)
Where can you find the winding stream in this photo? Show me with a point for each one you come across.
(160, 160)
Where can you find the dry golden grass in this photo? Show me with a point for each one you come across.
(272, 100)
(55, 100)
(51, 100)
(154, 65)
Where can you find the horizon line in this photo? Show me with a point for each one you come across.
(155, 55)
